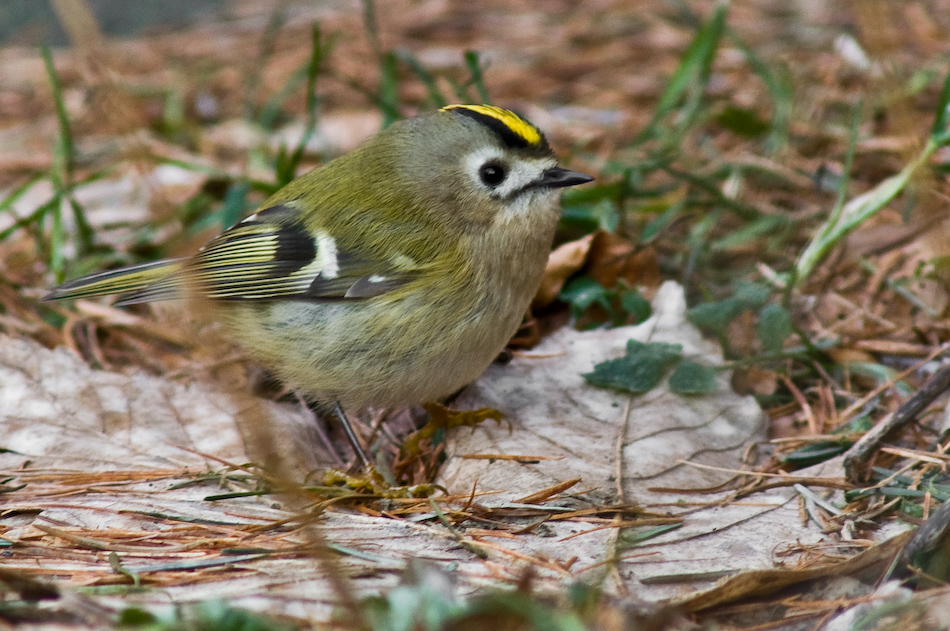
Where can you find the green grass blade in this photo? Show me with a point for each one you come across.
(941, 126)
(287, 168)
(57, 241)
(65, 149)
(84, 231)
(6, 205)
(389, 89)
(474, 65)
(779, 84)
(690, 75)
(372, 27)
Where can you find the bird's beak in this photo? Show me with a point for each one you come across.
(557, 177)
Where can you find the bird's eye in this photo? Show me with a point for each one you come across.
(492, 173)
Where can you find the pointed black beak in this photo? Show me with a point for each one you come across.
(559, 178)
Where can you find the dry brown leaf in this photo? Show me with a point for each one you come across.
(613, 258)
(765, 582)
(754, 380)
(563, 262)
(58, 410)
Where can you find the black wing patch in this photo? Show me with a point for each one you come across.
(271, 255)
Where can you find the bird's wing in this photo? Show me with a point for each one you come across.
(271, 255)
(268, 256)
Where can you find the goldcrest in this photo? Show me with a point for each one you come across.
(390, 276)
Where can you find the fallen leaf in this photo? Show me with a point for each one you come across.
(765, 582)
(563, 263)
(613, 258)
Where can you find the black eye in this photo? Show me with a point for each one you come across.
(492, 173)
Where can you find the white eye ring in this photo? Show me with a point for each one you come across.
(517, 172)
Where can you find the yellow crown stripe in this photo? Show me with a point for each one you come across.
(518, 126)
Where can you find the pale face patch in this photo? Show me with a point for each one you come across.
(520, 173)
(530, 202)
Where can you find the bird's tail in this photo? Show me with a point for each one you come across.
(147, 282)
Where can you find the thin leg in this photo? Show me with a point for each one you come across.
(351, 434)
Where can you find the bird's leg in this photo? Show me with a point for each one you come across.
(351, 434)
(324, 410)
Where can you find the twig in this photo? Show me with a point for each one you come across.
(856, 458)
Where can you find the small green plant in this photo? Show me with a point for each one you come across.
(644, 365)
(622, 304)
(775, 322)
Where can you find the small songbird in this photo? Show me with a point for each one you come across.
(392, 275)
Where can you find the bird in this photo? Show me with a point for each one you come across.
(390, 276)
